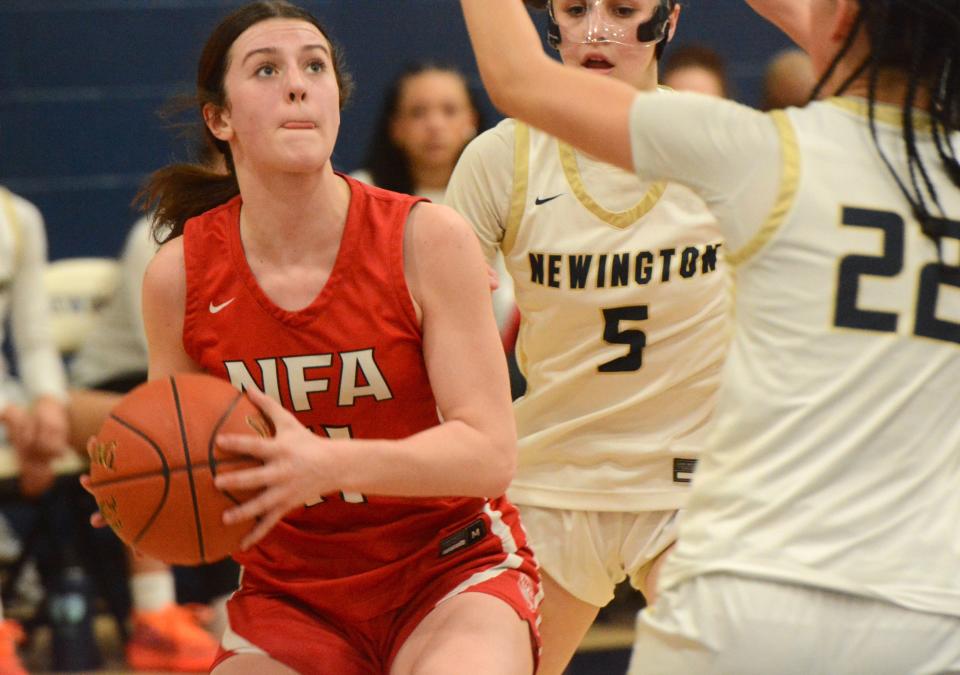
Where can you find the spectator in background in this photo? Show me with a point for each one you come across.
(429, 115)
(697, 68)
(788, 81)
(32, 410)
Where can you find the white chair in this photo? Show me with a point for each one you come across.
(78, 289)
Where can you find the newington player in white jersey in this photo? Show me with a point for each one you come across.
(623, 301)
(823, 532)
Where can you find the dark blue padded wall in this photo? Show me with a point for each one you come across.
(81, 81)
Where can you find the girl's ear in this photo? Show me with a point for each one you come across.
(674, 19)
(217, 120)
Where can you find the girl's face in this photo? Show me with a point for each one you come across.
(282, 99)
(434, 119)
(601, 36)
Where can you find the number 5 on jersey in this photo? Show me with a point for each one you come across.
(615, 333)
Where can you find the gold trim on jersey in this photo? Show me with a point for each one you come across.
(621, 219)
(11, 214)
(884, 112)
(789, 179)
(518, 199)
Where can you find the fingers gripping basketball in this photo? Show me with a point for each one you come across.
(154, 461)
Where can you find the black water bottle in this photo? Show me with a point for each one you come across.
(69, 606)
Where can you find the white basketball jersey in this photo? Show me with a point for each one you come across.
(11, 247)
(24, 305)
(623, 299)
(835, 459)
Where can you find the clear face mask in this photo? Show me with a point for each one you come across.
(623, 22)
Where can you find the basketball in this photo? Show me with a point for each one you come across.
(153, 464)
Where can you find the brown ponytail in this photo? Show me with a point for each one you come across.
(179, 192)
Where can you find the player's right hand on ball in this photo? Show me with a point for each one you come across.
(297, 466)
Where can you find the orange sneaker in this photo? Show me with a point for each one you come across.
(170, 639)
(11, 634)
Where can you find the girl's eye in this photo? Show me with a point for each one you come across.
(317, 66)
(575, 11)
(266, 70)
(624, 12)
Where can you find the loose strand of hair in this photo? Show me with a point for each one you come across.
(832, 68)
(179, 192)
(872, 87)
(915, 160)
(945, 113)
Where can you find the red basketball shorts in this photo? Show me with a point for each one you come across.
(291, 629)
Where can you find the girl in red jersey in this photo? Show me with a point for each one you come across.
(381, 542)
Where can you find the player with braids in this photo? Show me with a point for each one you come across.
(821, 533)
(932, 56)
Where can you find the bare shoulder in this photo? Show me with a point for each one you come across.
(441, 252)
(435, 226)
(165, 272)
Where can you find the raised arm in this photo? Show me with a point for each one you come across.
(793, 17)
(727, 153)
(578, 107)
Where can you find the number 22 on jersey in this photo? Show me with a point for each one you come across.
(930, 279)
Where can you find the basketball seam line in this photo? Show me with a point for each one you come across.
(166, 477)
(189, 465)
(211, 443)
(166, 472)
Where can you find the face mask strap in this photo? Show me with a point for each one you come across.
(653, 30)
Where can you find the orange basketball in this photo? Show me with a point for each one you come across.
(153, 464)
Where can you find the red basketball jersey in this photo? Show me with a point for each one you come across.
(349, 364)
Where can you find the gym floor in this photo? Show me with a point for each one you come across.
(605, 651)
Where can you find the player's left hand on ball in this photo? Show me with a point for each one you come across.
(297, 467)
(96, 519)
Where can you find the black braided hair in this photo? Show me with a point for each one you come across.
(921, 39)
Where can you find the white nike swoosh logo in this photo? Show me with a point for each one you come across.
(216, 308)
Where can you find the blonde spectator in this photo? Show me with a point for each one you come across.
(699, 69)
(789, 81)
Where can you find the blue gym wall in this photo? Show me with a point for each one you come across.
(81, 81)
